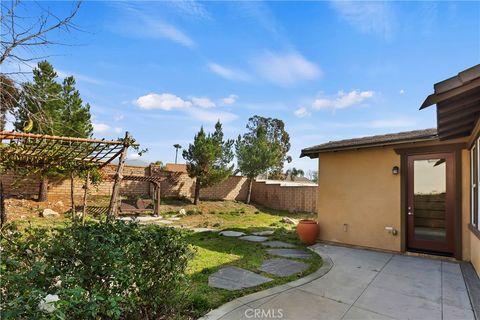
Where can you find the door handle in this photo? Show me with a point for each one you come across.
(410, 212)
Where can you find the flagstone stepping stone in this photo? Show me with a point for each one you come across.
(289, 253)
(254, 238)
(140, 219)
(234, 278)
(229, 233)
(174, 218)
(263, 233)
(282, 267)
(278, 244)
(204, 230)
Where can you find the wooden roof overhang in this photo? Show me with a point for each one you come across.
(458, 104)
(27, 149)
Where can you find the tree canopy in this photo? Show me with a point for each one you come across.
(262, 148)
(50, 107)
(208, 158)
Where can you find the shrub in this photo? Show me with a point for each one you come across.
(99, 271)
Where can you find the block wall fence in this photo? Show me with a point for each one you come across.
(176, 184)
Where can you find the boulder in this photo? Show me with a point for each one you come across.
(289, 220)
(49, 213)
(47, 304)
(182, 212)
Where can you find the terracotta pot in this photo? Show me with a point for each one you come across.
(308, 231)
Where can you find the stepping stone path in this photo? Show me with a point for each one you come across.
(254, 238)
(289, 253)
(283, 267)
(174, 218)
(203, 230)
(229, 233)
(233, 278)
(278, 244)
(141, 219)
(263, 233)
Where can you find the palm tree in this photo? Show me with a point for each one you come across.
(294, 172)
(176, 146)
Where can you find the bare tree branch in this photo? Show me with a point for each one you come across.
(32, 35)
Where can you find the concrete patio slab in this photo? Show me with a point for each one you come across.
(228, 233)
(278, 244)
(282, 267)
(362, 284)
(289, 253)
(233, 278)
(356, 313)
(254, 238)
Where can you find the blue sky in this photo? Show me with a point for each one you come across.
(329, 70)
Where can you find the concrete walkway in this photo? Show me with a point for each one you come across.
(362, 284)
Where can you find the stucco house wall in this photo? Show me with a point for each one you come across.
(358, 196)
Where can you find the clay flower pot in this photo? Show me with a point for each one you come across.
(308, 231)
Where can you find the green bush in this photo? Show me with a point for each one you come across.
(99, 271)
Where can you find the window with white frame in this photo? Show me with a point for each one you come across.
(475, 184)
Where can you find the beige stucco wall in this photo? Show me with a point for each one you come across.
(357, 188)
(475, 252)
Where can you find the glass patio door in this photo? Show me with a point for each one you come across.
(430, 203)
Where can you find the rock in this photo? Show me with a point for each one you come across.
(263, 233)
(229, 233)
(254, 238)
(49, 213)
(182, 212)
(48, 303)
(289, 220)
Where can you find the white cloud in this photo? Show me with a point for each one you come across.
(401, 91)
(164, 30)
(119, 117)
(141, 21)
(302, 112)
(100, 127)
(286, 69)
(164, 101)
(203, 102)
(368, 17)
(117, 129)
(343, 100)
(228, 73)
(231, 99)
(80, 77)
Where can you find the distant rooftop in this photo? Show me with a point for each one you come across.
(371, 141)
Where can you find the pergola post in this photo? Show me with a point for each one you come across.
(85, 195)
(113, 208)
(72, 195)
(3, 213)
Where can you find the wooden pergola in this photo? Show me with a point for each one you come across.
(40, 151)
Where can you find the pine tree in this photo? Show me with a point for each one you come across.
(208, 159)
(54, 109)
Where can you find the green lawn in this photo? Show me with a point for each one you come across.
(212, 251)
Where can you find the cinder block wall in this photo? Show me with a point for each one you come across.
(291, 198)
(176, 184)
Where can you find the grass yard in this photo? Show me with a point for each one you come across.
(211, 251)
